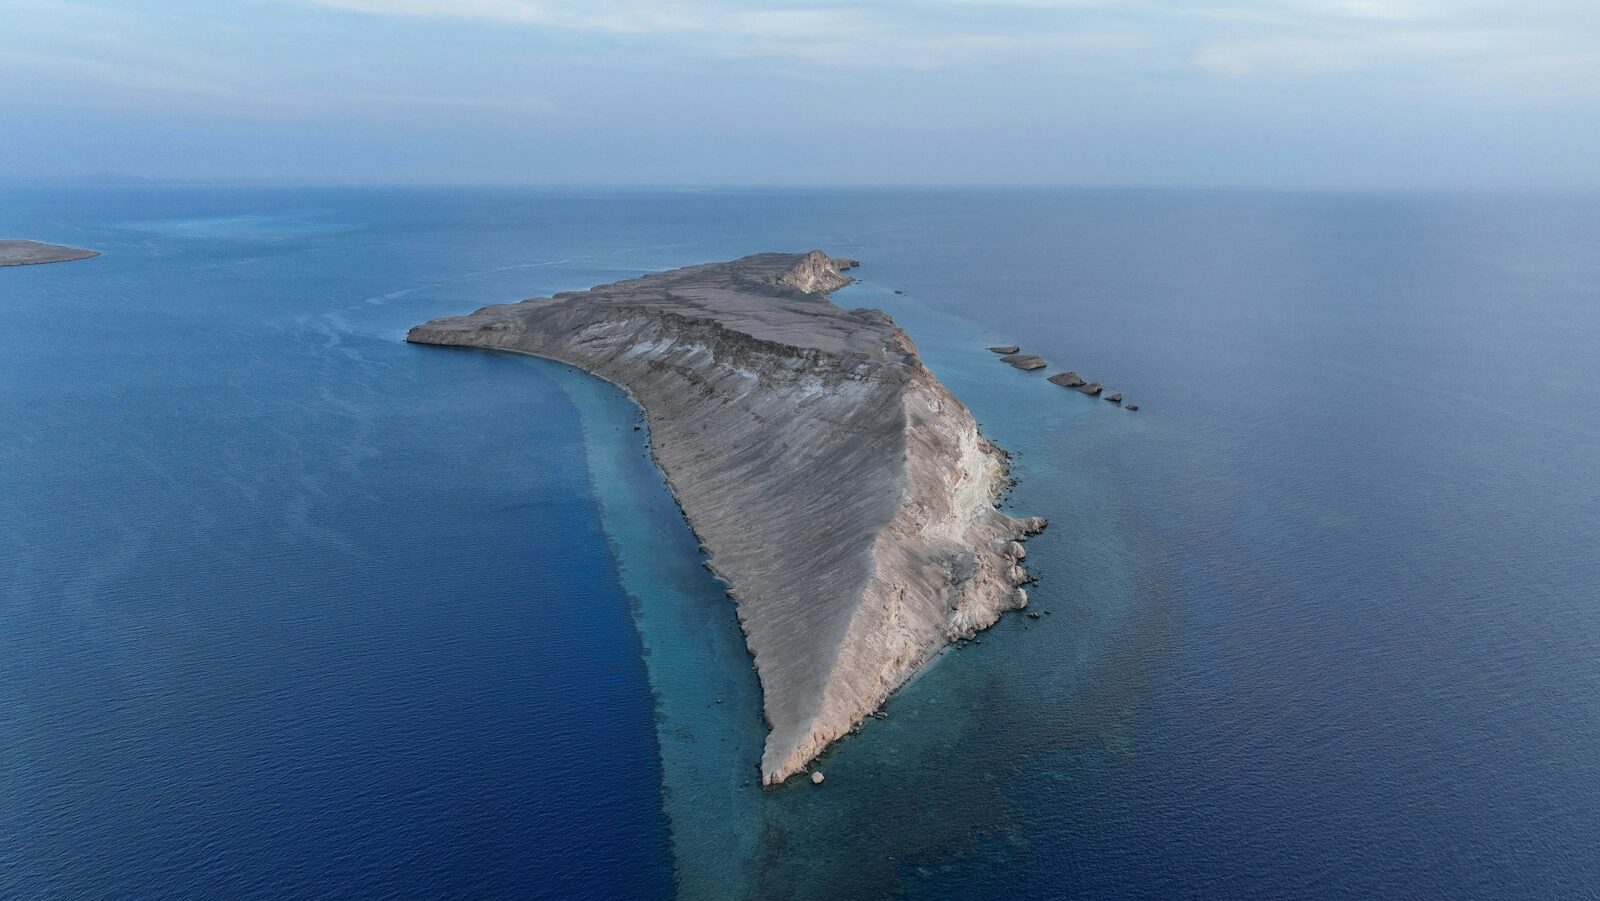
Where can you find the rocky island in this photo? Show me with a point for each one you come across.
(27, 253)
(843, 494)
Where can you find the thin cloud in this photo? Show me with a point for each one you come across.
(1093, 82)
(625, 19)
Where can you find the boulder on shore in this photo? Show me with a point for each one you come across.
(1092, 388)
(1005, 349)
(1028, 362)
(1066, 379)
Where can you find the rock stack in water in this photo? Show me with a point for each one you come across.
(1029, 362)
(1077, 383)
(1026, 362)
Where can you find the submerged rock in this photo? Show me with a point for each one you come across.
(1131, 408)
(1066, 379)
(1028, 362)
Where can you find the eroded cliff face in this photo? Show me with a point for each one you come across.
(844, 496)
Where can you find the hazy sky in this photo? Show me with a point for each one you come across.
(1191, 92)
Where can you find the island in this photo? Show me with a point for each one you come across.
(842, 494)
(28, 253)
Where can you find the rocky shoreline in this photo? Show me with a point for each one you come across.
(31, 253)
(842, 493)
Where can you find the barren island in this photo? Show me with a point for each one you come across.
(27, 253)
(840, 491)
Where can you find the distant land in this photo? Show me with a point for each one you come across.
(841, 492)
(28, 253)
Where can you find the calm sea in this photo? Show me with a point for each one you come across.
(290, 609)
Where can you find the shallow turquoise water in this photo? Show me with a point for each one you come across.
(293, 609)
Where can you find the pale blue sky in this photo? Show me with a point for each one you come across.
(1341, 93)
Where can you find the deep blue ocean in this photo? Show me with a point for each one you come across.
(291, 609)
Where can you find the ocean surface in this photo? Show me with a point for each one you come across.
(290, 609)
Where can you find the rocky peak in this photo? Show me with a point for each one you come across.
(817, 273)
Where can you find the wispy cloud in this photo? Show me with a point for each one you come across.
(625, 18)
(969, 73)
(1541, 51)
(1232, 38)
(104, 55)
